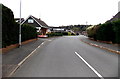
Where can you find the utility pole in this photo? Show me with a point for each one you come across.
(20, 27)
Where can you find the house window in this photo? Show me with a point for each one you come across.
(30, 21)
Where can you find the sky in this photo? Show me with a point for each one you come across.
(65, 12)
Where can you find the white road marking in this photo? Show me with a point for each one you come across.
(98, 74)
(25, 59)
(42, 43)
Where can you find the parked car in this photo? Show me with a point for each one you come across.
(42, 36)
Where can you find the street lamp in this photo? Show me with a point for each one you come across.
(86, 23)
(20, 27)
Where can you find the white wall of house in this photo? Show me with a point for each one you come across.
(48, 30)
(38, 29)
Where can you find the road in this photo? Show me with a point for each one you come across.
(58, 58)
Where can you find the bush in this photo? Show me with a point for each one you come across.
(91, 31)
(72, 34)
(106, 32)
(65, 33)
(109, 31)
(116, 26)
(69, 33)
(10, 29)
(28, 32)
(55, 34)
(59, 34)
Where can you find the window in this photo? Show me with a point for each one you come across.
(30, 21)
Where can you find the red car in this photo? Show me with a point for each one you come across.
(42, 36)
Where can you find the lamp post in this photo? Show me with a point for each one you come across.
(20, 27)
(86, 23)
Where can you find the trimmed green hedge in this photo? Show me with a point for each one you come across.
(55, 34)
(28, 32)
(109, 31)
(116, 25)
(59, 34)
(92, 31)
(10, 29)
(106, 32)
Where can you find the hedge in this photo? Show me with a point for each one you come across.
(55, 34)
(60, 34)
(92, 31)
(10, 29)
(116, 25)
(106, 32)
(109, 31)
(28, 32)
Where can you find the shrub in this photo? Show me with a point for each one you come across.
(116, 26)
(91, 31)
(106, 32)
(72, 34)
(65, 33)
(10, 29)
(69, 33)
(28, 32)
(55, 34)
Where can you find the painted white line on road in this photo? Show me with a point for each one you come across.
(25, 59)
(42, 43)
(89, 65)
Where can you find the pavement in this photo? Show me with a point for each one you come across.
(11, 59)
(64, 57)
(110, 47)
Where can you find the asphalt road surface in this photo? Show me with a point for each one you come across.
(67, 56)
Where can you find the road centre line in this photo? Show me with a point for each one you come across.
(98, 74)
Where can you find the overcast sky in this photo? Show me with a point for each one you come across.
(66, 12)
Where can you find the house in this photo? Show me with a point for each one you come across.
(40, 25)
(116, 17)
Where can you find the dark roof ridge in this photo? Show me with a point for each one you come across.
(40, 21)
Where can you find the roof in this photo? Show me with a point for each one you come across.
(116, 17)
(39, 21)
